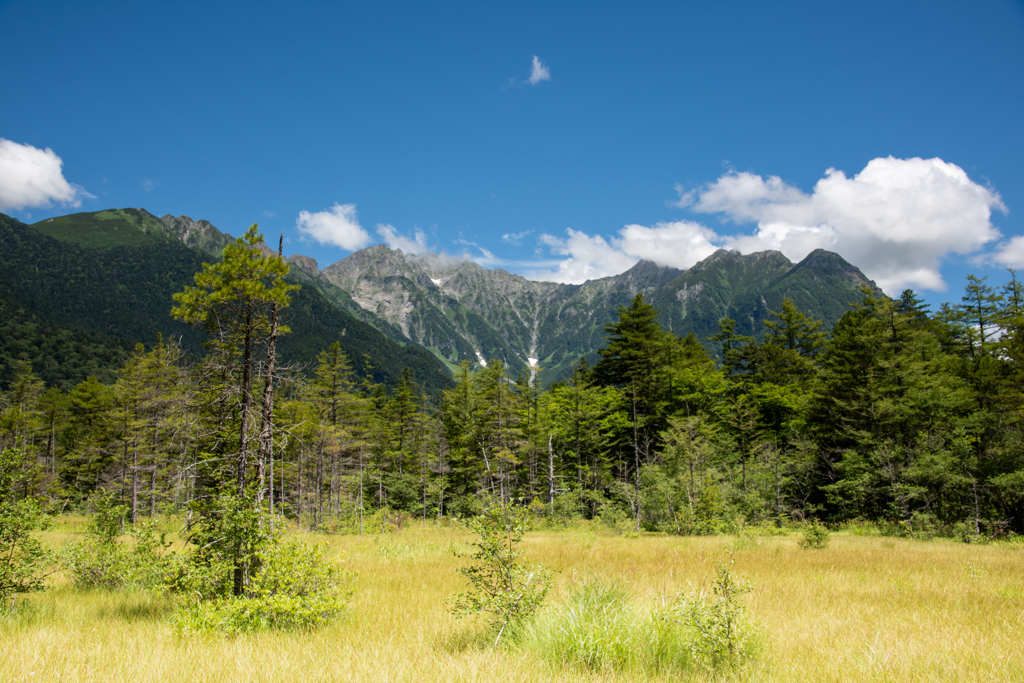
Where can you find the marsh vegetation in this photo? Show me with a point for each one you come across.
(867, 608)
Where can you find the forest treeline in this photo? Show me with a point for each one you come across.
(899, 416)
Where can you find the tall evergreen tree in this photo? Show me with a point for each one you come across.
(235, 302)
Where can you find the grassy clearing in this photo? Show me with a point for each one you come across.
(866, 608)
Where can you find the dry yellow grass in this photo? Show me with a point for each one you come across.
(865, 609)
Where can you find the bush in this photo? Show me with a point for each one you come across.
(816, 536)
(103, 561)
(718, 634)
(501, 585)
(24, 562)
(616, 520)
(295, 588)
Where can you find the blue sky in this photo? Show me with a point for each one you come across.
(654, 130)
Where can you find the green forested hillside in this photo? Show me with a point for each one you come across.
(746, 288)
(123, 290)
(60, 356)
(100, 276)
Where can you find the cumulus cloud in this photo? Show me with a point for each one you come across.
(589, 258)
(896, 219)
(337, 225)
(396, 240)
(30, 176)
(148, 185)
(679, 244)
(539, 72)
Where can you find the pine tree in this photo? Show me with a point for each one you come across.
(235, 301)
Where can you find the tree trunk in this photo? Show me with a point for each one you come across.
(135, 481)
(152, 492)
(551, 476)
(636, 456)
(267, 422)
(243, 439)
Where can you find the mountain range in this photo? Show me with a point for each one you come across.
(112, 273)
(461, 311)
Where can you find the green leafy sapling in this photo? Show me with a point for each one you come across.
(501, 585)
(719, 634)
(104, 560)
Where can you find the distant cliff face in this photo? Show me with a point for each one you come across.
(200, 235)
(464, 312)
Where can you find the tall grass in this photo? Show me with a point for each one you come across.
(599, 628)
(867, 608)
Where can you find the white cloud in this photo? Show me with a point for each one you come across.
(539, 72)
(895, 220)
(590, 257)
(1011, 253)
(515, 238)
(148, 185)
(679, 244)
(396, 240)
(337, 225)
(32, 177)
(486, 259)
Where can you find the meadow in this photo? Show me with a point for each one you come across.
(866, 608)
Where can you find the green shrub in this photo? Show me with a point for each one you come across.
(500, 584)
(600, 629)
(295, 588)
(24, 561)
(717, 633)
(227, 540)
(104, 561)
(616, 520)
(816, 536)
(594, 629)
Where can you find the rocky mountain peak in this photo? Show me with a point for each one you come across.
(307, 264)
(733, 258)
(200, 235)
(831, 263)
(649, 274)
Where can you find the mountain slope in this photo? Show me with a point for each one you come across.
(464, 312)
(60, 356)
(748, 287)
(115, 273)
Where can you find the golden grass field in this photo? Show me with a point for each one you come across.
(866, 608)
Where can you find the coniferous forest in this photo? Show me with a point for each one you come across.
(899, 416)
